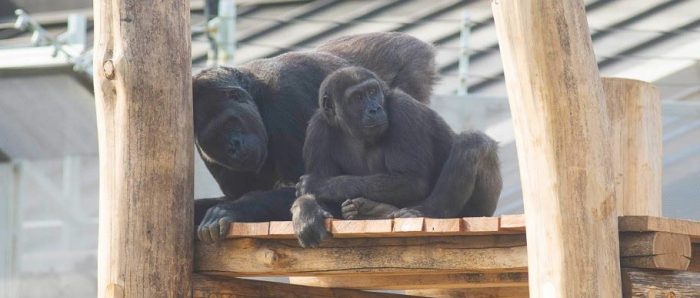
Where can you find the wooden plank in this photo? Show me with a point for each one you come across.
(360, 228)
(655, 250)
(281, 229)
(510, 292)
(417, 281)
(398, 227)
(481, 224)
(665, 262)
(660, 224)
(634, 113)
(352, 256)
(408, 226)
(248, 229)
(659, 283)
(443, 226)
(559, 116)
(515, 222)
(143, 97)
(654, 243)
(206, 286)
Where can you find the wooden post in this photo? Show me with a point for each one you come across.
(634, 111)
(143, 94)
(561, 132)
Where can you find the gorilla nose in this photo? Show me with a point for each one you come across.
(375, 110)
(235, 145)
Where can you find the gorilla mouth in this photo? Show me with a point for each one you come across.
(375, 124)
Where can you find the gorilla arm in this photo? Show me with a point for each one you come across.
(405, 183)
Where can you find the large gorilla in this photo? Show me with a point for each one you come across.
(250, 121)
(374, 152)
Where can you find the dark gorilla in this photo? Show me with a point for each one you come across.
(250, 121)
(377, 153)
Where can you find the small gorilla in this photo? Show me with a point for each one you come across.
(374, 152)
(250, 121)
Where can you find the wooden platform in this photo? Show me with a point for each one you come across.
(425, 254)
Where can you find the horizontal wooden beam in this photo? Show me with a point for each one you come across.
(212, 286)
(659, 283)
(655, 250)
(421, 227)
(511, 292)
(412, 256)
(417, 281)
(360, 256)
(660, 224)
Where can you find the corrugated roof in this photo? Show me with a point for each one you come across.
(653, 40)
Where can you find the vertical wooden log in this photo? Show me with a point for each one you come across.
(143, 93)
(634, 111)
(561, 132)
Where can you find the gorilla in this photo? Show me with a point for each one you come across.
(374, 152)
(250, 121)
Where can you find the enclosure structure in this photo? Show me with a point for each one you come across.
(589, 151)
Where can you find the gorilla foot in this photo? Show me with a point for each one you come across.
(309, 221)
(407, 212)
(361, 208)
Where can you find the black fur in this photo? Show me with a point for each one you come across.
(394, 155)
(250, 121)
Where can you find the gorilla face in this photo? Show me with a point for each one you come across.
(353, 98)
(228, 128)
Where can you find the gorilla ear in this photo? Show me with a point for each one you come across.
(327, 103)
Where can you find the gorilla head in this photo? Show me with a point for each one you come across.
(353, 99)
(228, 128)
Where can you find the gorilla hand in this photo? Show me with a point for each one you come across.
(216, 222)
(309, 221)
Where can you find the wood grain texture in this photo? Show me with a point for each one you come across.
(248, 229)
(634, 112)
(417, 281)
(353, 256)
(654, 243)
(143, 96)
(207, 286)
(660, 224)
(655, 250)
(444, 226)
(561, 131)
(509, 292)
(408, 226)
(659, 283)
(281, 229)
(514, 222)
(360, 228)
(481, 224)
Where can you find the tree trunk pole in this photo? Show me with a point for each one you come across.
(634, 111)
(143, 94)
(562, 135)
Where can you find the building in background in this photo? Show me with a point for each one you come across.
(48, 143)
